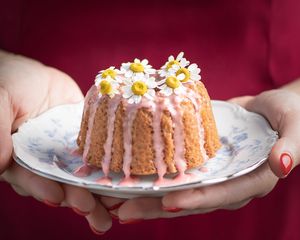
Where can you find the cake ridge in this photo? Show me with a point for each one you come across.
(136, 88)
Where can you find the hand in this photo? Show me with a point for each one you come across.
(282, 109)
(28, 88)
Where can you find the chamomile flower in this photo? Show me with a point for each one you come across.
(137, 68)
(111, 72)
(108, 86)
(170, 84)
(186, 74)
(178, 61)
(139, 87)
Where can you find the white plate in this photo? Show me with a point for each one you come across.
(44, 145)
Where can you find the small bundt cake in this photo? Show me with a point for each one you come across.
(142, 121)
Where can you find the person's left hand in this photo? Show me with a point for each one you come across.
(282, 109)
(28, 88)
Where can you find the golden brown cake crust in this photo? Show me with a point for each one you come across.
(143, 152)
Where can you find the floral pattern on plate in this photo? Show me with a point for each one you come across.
(45, 145)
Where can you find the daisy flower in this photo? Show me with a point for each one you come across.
(111, 72)
(137, 68)
(137, 88)
(191, 73)
(170, 84)
(179, 61)
(108, 86)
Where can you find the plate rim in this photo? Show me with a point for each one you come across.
(152, 189)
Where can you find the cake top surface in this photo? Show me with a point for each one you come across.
(137, 80)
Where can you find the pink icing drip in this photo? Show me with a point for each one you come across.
(179, 179)
(104, 181)
(195, 99)
(112, 108)
(157, 138)
(131, 110)
(176, 113)
(94, 105)
(83, 171)
(129, 181)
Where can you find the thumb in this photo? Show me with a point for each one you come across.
(282, 110)
(5, 130)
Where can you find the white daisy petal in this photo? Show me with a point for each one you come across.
(179, 56)
(131, 100)
(195, 77)
(145, 62)
(192, 67)
(151, 92)
(168, 91)
(171, 58)
(128, 74)
(181, 76)
(137, 98)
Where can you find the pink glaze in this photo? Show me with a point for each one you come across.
(74, 152)
(195, 99)
(94, 102)
(203, 169)
(174, 108)
(104, 181)
(181, 178)
(129, 181)
(158, 143)
(83, 171)
(131, 110)
(112, 108)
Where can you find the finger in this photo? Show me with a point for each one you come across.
(79, 199)
(257, 183)
(5, 130)
(99, 219)
(138, 209)
(19, 190)
(36, 186)
(283, 112)
(237, 205)
(111, 203)
(242, 101)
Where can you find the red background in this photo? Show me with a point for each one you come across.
(243, 47)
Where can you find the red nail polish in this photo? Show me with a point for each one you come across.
(51, 204)
(114, 207)
(286, 163)
(130, 221)
(79, 212)
(170, 209)
(96, 231)
(114, 216)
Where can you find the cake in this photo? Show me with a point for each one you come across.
(141, 121)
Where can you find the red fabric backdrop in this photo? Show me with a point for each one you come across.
(243, 47)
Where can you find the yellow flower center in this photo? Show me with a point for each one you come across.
(171, 63)
(186, 72)
(109, 72)
(172, 82)
(136, 67)
(105, 87)
(139, 88)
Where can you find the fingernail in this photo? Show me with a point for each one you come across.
(51, 204)
(286, 163)
(79, 212)
(114, 207)
(114, 216)
(96, 231)
(170, 209)
(130, 221)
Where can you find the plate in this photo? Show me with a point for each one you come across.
(45, 145)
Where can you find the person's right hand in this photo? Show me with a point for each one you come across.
(28, 88)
